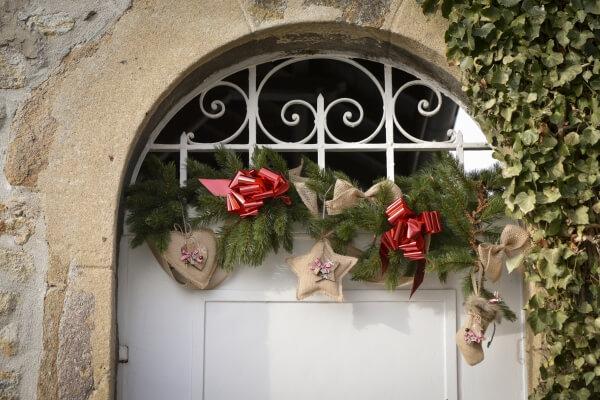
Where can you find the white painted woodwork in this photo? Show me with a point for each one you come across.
(250, 339)
(317, 126)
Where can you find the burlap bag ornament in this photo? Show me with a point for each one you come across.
(310, 281)
(308, 196)
(178, 261)
(481, 313)
(514, 242)
(346, 195)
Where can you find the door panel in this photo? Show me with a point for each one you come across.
(251, 339)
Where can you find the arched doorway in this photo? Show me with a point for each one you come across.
(249, 337)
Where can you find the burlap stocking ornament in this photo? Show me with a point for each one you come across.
(480, 314)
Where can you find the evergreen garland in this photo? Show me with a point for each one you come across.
(471, 206)
(247, 240)
(155, 204)
(470, 203)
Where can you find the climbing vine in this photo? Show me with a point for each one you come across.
(531, 72)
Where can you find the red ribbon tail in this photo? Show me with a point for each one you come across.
(217, 187)
(419, 276)
(287, 200)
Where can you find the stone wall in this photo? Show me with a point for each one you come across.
(81, 85)
(35, 37)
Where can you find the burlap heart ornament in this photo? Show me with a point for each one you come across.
(190, 259)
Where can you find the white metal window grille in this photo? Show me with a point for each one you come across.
(318, 137)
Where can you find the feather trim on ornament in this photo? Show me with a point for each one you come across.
(488, 310)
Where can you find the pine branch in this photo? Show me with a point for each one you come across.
(467, 285)
(506, 311)
(155, 203)
(265, 157)
(210, 210)
(449, 259)
(229, 162)
(368, 265)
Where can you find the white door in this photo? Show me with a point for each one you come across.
(250, 339)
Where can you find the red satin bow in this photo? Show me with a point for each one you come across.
(249, 188)
(407, 234)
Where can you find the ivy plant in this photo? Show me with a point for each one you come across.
(531, 72)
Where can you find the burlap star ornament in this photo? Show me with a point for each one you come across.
(321, 270)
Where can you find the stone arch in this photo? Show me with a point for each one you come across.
(77, 134)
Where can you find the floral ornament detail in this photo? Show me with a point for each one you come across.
(473, 337)
(496, 299)
(196, 258)
(323, 269)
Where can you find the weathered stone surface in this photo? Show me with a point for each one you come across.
(13, 31)
(364, 13)
(53, 307)
(12, 69)
(74, 362)
(262, 10)
(9, 340)
(2, 114)
(74, 137)
(18, 265)
(51, 24)
(17, 218)
(35, 37)
(9, 385)
(8, 302)
(34, 129)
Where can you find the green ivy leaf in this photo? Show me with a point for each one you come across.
(549, 195)
(572, 139)
(590, 136)
(592, 6)
(589, 377)
(529, 137)
(484, 30)
(515, 262)
(583, 394)
(525, 201)
(552, 59)
(513, 170)
(580, 216)
(509, 3)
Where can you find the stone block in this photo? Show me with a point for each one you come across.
(8, 302)
(2, 114)
(9, 385)
(18, 265)
(12, 69)
(74, 363)
(17, 218)
(51, 24)
(9, 340)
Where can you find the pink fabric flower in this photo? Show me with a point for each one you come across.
(473, 337)
(496, 299)
(191, 256)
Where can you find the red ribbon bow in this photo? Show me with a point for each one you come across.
(408, 234)
(248, 190)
